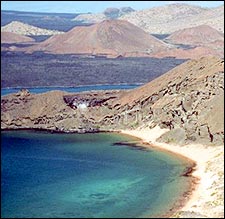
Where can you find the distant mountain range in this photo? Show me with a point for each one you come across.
(114, 38)
(158, 20)
(51, 21)
(167, 19)
(192, 32)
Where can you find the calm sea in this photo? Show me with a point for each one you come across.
(5, 91)
(85, 176)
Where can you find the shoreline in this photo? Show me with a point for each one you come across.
(205, 196)
(77, 86)
(199, 198)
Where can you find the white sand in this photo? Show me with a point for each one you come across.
(207, 199)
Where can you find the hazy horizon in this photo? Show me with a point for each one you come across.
(92, 6)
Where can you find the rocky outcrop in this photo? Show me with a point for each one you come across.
(188, 100)
(56, 110)
(26, 29)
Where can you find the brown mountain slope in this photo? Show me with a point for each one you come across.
(193, 70)
(189, 100)
(199, 35)
(7, 37)
(110, 37)
(204, 40)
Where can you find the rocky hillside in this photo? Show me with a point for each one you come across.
(26, 29)
(173, 17)
(109, 38)
(189, 100)
(109, 13)
(7, 37)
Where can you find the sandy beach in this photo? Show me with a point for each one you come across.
(207, 199)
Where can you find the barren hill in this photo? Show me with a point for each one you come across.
(188, 100)
(110, 37)
(202, 41)
(173, 17)
(199, 35)
(7, 37)
(26, 29)
(190, 71)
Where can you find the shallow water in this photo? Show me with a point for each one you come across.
(85, 175)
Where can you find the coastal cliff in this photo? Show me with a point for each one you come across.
(187, 100)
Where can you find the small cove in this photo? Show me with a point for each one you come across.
(86, 175)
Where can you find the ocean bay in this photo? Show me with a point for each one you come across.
(86, 175)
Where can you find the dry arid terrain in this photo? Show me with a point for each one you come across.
(190, 32)
(200, 41)
(188, 100)
(26, 29)
(8, 37)
(166, 19)
(181, 110)
(110, 38)
(177, 17)
(195, 36)
(116, 38)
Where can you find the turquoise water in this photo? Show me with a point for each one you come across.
(85, 176)
(37, 90)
